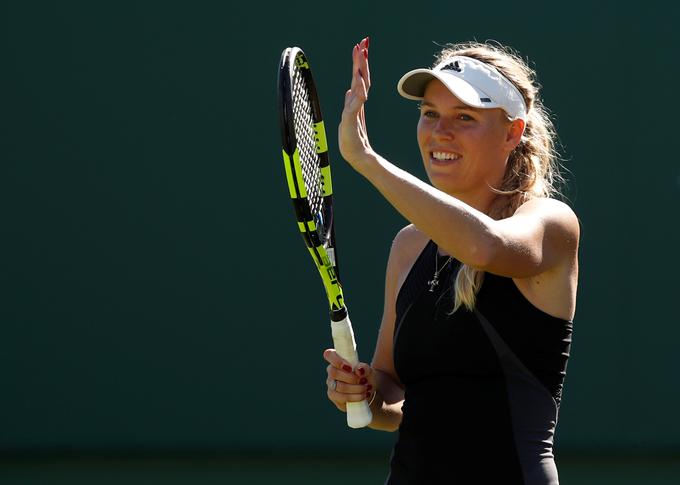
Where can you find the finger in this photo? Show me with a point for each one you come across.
(362, 86)
(364, 370)
(359, 68)
(344, 388)
(365, 70)
(364, 42)
(341, 375)
(340, 397)
(355, 65)
(358, 53)
(362, 60)
(334, 359)
(358, 93)
(363, 67)
(360, 76)
(362, 98)
(354, 100)
(366, 376)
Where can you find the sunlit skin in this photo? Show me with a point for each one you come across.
(481, 138)
(537, 246)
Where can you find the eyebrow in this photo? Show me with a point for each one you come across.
(459, 106)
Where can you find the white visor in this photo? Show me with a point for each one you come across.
(473, 82)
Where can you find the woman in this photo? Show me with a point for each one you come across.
(480, 287)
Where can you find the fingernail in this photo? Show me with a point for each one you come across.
(362, 371)
(365, 53)
(368, 41)
(346, 368)
(368, 394)
(369, 387)
(363, 380)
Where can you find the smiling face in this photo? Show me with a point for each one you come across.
(464, 149)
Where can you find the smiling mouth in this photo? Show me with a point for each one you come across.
(444, 157)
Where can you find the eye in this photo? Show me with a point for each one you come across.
(465, 117)
(428, 113)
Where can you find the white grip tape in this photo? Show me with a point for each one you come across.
(358, 413)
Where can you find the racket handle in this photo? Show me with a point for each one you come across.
(358, 413)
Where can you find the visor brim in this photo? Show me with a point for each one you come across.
(412, 86)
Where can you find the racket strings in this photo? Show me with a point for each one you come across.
(306, 143)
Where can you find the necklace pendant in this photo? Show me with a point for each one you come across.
(433, 283)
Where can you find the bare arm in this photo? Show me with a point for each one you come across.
(387, 405)
(542, 234)
(381, 374)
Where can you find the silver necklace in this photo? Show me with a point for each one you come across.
(434, 282)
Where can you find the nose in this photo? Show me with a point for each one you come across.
(444, 128)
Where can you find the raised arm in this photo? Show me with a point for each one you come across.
(542, 234)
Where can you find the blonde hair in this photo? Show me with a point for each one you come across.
(533, 166)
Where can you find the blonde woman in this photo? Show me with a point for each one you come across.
(480, 287)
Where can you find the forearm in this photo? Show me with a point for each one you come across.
(386, 417)
(387, 403)
(456, 227)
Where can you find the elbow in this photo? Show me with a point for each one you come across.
(484, 252)
(389, 427)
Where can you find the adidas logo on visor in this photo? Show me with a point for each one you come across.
(453, 66)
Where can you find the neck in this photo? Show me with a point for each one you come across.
(482, 201)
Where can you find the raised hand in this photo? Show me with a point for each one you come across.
(352, 134)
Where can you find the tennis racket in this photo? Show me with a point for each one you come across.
(308, 172)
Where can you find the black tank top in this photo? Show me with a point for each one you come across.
(482, 388)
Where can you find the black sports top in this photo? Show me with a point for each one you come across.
(482, 388)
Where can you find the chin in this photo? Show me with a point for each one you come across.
(445, 186)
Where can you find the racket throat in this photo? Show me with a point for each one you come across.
(338, 315)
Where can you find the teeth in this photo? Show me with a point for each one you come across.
(445, 156)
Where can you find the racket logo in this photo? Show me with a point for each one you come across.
(301, 62)
(339, 304)
(332, 274)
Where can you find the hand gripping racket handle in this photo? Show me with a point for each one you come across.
(358, 413)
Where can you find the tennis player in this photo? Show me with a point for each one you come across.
(480, 287)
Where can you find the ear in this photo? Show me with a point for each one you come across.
(514, 133)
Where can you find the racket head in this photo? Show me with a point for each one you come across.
(307, 166)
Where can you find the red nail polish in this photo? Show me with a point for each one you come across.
(346, 368)
(363, 380)
(368, 41)
(368, 394)
(362, 371)
(369, 387)
(365, 53)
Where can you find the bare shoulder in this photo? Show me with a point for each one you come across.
(554, 233)
(546, 206)
(557, 217)
(407, 245)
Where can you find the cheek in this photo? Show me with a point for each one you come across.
(421, 135)
(490, 141)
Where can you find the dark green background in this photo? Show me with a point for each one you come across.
(151, 271)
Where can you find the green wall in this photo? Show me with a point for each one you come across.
(151, 272)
